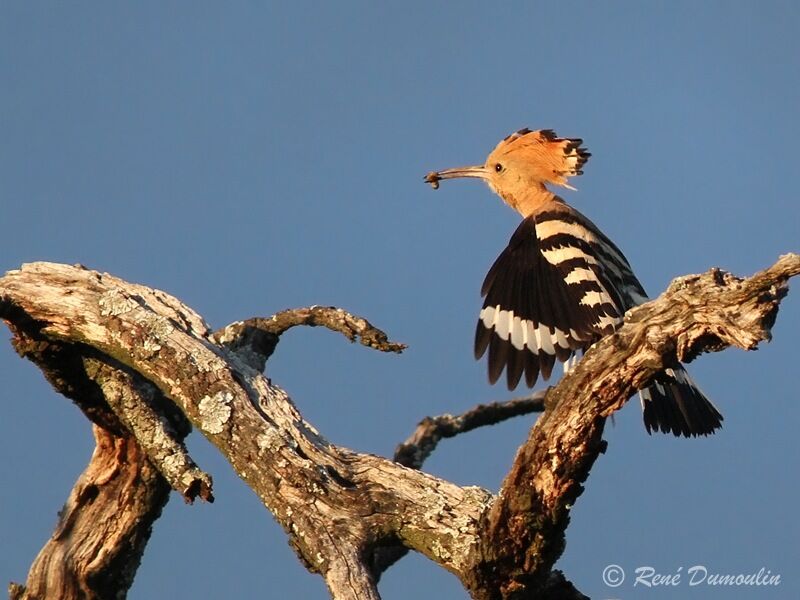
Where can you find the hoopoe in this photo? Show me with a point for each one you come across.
(561, 285)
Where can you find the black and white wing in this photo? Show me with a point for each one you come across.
(559, 285)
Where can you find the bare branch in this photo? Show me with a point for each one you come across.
(338, 506)
(108, 518)
(136, 403)
(255, 339)
(348, 578)
(103, 528)
(331, 502)
(120, 401)
(429, 432)
(697, 313)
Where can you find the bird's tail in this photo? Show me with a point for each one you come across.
(674, 404)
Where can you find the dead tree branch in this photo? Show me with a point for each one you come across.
(255, 339)
(136, 403)
(338, 506)
(103, 528)
(107, 520)
(431, 430)
(698, 313)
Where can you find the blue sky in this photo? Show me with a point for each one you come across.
(250, 157)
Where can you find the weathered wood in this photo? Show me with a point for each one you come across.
(338, 506)
(332, 502)
(523, 534)
(107, 520)
(431, 430)
(103, 528)
(255, 339)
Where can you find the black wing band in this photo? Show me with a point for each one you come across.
(547, 294)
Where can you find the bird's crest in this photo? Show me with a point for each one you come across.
(555, 158)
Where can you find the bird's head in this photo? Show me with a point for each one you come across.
(522, 163)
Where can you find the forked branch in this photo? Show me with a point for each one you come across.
(337, 506)
(698, 313)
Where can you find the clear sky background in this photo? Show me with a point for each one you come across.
(249, 158)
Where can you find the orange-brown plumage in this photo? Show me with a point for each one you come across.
(520, 166)
(546, 157)
(561, 284)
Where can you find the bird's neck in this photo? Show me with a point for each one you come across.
(530, 200)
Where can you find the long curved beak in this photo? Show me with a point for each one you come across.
(434, 177)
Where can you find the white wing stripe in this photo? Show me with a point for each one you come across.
(503, 324)
(553, 227)
(558, 255)
(596, 299)
(579, 275)
(523, 332)
(517, 334)
(561, 339)
(607, 321)
(543, 337)
(530, 334)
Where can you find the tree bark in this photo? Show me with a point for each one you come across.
(338, 507)
(103, 528)
(107, 520)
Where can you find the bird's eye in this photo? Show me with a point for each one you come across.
(498, 167)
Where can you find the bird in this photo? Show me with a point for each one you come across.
(561, 284)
